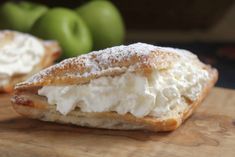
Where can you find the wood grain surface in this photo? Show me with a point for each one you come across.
(209, 132)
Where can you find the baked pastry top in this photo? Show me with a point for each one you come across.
(139, 86)
(22, 55)
(140, 58)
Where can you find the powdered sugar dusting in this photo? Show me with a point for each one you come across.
(120, 52)
(125, 56)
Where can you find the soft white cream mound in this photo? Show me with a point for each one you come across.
(19, 55)
(160, 95)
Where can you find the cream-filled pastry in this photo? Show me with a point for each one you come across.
(21, 56)
(139, 86)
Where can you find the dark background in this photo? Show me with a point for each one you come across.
(161, 15)
(189, 24)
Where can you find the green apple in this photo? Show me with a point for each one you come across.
(67, 28)
(104, 21)
(20, 16)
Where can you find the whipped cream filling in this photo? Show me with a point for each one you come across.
(19, 55)
(160, 95)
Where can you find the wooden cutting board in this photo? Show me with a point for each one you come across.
(209, 132)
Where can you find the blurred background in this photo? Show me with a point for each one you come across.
(206, 27)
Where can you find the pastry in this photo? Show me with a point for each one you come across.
(139, 86)
(22, 55)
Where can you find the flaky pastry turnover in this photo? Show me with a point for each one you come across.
(139, 86)
(22, 55)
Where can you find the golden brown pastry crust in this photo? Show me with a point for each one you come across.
(80, 70)
(52, 52)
